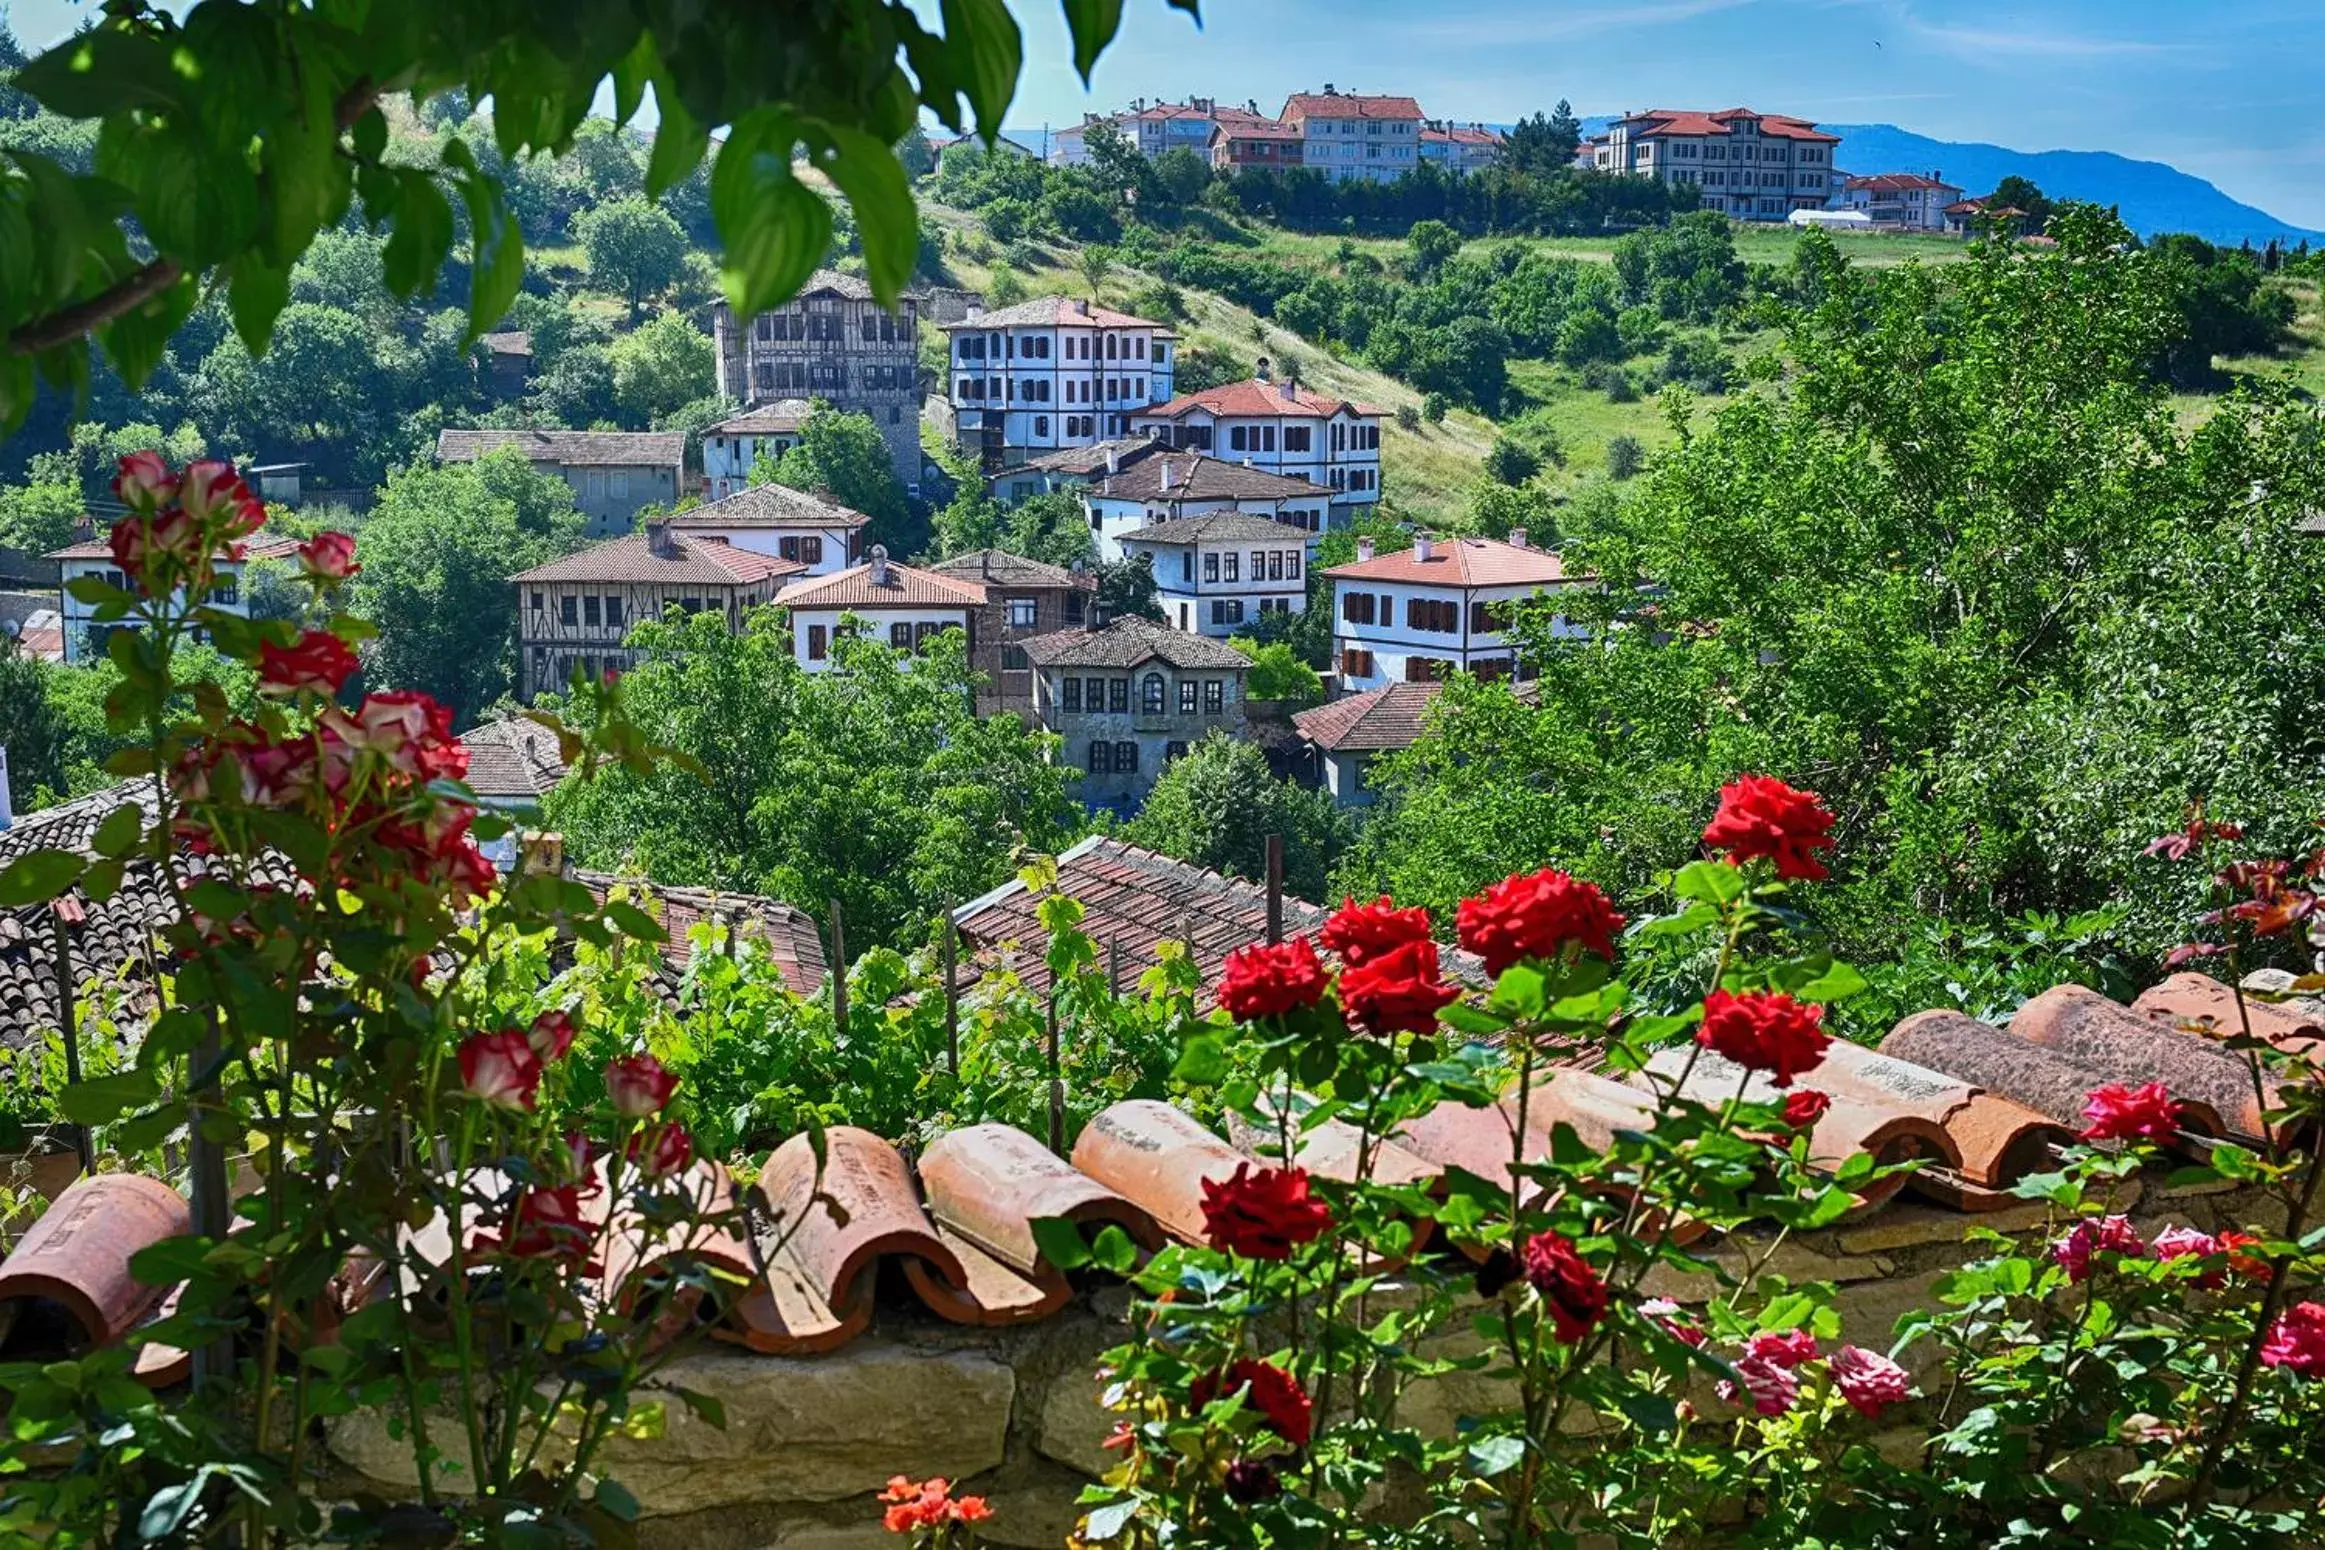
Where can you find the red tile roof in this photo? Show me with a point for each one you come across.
(1462, 562)
(1460, 135)
(1348, 105)
(1686, 123)
(512, 759)
(1256, 129)
(1198, 476)
(1371, 722)
(789, 934)
(260, 546)
(1899, 183)
(905, 587)
(1258, 398)
(631, 558)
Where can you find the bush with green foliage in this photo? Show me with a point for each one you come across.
(1625, 457)
(1216, 805)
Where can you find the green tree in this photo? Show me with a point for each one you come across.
(661, 367)
(844, 454)
(1126, 589)
(1277, 673)
(437, 553)
(874, 784)
(42, 515)
(32, 730)
(914, 155)
(635, 249)
(1217, 804)
(1094, 263)
(1543, 144)
(1432, 244)
(1181, 176)
(1507, 462)
(2023, 195)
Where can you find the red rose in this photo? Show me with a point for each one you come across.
(1397, 992)
(144, 481)
(1764, 1030)
(1250, 1482)
(638, 1085)
(1804, 1107)
(320, 661)
(212, 492)
(2111, 1235)
(409, 730)
(1360, 933)
(2297, 1340)
(1774, 1389)
(551, 1034)
(1263, 981)
(144, 546)
(2142, 1113)
(1761, 816)
(1536, 916)
(328, 557)
(549, 1223)
(1868, 1380)
(1269, 1390)
(1570, 1289)
(1786, 1348)
(1262, 1215)
(500, 1069)
(668, 1151)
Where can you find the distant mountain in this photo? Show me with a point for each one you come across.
(2152, 196)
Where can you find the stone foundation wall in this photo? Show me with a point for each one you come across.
(1014, 1414)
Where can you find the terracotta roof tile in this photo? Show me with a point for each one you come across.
(1198, 476)
(1899, 183)
(692, 561)
(1222, 527)
(1370, 722)
(904, 587)
(1257, 398)
(1052, 311)
(1348, 105)
(1462, 562)
(1129, 641)
(515, 759)
(1090, 460)
(1000, 568)
(789, 934)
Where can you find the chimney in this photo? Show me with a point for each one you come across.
(1328, 91)
(1082, 305)
(879, 565)
(1291, 384)
(1364, 549)
(1424, 547)
(1517, 538)
(659, 542)
(1265, 371)
(1113, 459)
(541, 855)
(1166, 473)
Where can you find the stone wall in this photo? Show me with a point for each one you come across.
(1014, 1414)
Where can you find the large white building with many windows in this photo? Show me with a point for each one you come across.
(1753, 166)
(1420, 614)
(1348, 136)
(1217, 575)
(1053, 372)
(1284, 428)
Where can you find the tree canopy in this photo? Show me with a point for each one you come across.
(1216, 805)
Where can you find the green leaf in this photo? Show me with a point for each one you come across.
(421, 236)
(616, 1500)
(170, 1261)
(634, 922)
(1649, 1412)
(775, 228)
(97, 1100)
(1093, 24)
(867, 171)
(37, 876)
(708, 1406)
(1114, 1251)
(119, 833)
(144, 1132)
(1491, 1456)
(256, 293)
(1711, 882)
(167, 1509)
(1060, 1242)
(1203, 1061)
(1103, 1523)
(983, 38)
(679, 142)
(94, 590)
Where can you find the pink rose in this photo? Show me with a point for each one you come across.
(328, 557)
(638, 1086)
(500, 1069)
(552, 1034)
(1868, 1380)
(144, 481)
(662, 1151)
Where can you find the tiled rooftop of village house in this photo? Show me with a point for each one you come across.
(1977, 1106)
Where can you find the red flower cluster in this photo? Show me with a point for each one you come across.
(1803, 1107)
(320, 663)
(1760, 815)
(2142, 1113)
(1262, 1215)
(1764, 1030)
(1570, 1289)
(1359, 933)
(2112, 1235)
(638, 1085)
(1785, 1347)
(552, 1223)
(178, 525)
(1537, 915)
(551, 1034)
(2234, 1244)
(2187, 840)
(1397, 991)
(1773, 1388)
(2297, 1340)
(929, 1504)
(1268, 981)
(1268, 1390)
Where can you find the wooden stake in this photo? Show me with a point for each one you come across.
(1275, 889)
(839, 973)
(1057, 1081)
(952, 1001)
(70, 1026)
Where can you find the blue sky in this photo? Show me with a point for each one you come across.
(2226, 89)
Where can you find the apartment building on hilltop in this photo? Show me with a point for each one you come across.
(1753, 166)
(1460, 149)
(1283, 428)
(835, 342)
(1260, 143)
(1902, 201)
(1154, 128)
(1053, 373)
(1348, 136)
(1420, 614)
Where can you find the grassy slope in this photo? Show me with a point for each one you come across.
(1428, 475)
